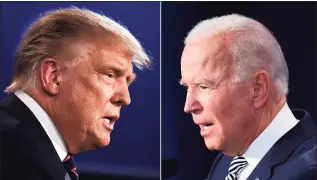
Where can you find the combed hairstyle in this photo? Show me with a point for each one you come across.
(54, 32)
(251, 46)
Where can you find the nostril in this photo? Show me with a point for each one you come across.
(120, 103)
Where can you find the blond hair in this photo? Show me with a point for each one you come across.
(46, 37)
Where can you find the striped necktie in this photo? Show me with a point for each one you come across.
(236, 166)
(70, 167)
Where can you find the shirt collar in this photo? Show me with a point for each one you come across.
(281, 124)
(46, 123)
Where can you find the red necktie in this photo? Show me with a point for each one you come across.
(70, 167)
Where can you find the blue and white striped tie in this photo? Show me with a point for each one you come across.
(236, 166)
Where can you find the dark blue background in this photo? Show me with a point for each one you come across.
(293, 24)
(135, 145)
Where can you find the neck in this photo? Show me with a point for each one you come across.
(263, 118)
(40, 98)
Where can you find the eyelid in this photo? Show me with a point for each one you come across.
(206, 86)
(112, 74)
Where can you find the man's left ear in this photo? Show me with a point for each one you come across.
(261, 86)
(50, 76)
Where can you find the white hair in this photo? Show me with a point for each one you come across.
(253, 47)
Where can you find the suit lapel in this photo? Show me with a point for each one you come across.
(36, 143)
(282, 149)
(219, 169)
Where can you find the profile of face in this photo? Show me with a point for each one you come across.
(221, 107)
(90, 94)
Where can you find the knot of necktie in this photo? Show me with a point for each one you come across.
(236, 166)
(70, 167)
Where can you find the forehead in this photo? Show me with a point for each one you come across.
(205, 57)
(112, 55)
(101, 56)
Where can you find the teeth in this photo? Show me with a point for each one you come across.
(107, 120)
(206, 127)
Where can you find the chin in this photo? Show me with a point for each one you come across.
(211, 144)
(98, 143)
(104, 142)
(211, 147)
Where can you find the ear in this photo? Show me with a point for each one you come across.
(261, 86)
(50, 78)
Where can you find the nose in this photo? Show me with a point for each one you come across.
(192, 105)
(121, 96)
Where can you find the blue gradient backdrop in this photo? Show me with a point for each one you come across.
(135, 145)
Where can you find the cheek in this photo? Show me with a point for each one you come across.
(98, 90)
(107, 92)
(103, 99)
(236, 111)
(222, 109)
(216, 105)
(105, 88)
(88, 96)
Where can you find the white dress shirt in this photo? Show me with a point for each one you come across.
(46, 123)
(281, 124)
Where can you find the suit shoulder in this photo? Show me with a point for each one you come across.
(304, 166)
(305, 155)
(302, 163)
(7, 121)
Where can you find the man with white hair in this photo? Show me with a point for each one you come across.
(237, 82)
(71, 77)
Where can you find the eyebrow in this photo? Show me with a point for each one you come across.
(211, 82)
(203, 81)
(119, 71)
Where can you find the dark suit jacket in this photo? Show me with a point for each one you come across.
(292, 157)
(26, 151)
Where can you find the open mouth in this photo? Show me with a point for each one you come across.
(109, 122)
(206, 126)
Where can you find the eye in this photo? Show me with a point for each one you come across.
(110, 75)
(202, 87)
(206, 88)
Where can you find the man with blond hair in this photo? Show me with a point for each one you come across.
(237, 82)
(71, 77)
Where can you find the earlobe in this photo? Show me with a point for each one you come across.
(49, 76)
(261, 89)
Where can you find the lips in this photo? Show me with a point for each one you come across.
(204, 125)
(109, 122)
(205, 129)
